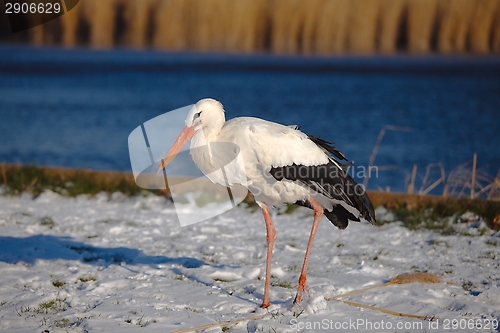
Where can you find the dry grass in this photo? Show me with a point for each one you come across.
(70, 182)
(420, 277)
(484, 15)
(281, 26)
(432, 212)
(413, 277)
(416, 277)
(416, 211)
(465, 181)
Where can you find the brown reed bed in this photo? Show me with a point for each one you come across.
(279, 26)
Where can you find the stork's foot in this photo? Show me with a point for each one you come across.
(300, 290)
(265, 305)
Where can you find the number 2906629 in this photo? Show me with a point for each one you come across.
(32, 8)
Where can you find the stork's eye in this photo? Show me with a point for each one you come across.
(196, 116)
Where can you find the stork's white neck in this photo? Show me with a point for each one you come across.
(201, 148)
(198, 139)
(208, 118)
(208, 131)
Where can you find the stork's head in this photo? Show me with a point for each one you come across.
(206, 116)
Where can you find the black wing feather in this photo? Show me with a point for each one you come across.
(333, 182)
(328, 146)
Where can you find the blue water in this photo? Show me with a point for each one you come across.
(76, 108)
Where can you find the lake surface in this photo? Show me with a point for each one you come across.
(76, 108)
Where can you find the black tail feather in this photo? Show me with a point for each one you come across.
(339, 216)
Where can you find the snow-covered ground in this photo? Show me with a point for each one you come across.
(114, 263)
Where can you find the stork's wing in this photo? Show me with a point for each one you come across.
(277, 145)
(349, 199)
(287, 153)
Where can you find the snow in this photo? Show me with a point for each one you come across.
(114, 263)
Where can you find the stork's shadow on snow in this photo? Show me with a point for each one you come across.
(46, 247)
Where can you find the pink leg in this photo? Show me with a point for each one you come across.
(318, 214)
(271, 236)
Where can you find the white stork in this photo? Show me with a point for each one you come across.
(282, 165)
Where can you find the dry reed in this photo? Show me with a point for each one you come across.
(454, 18)
(411, 186)
(137, 13)
(37, 35)
(468, 181)
(287, 21)
(171, 28)
(417, 277)
(425, 188)
(332, 27)
(100, 16)
(309, 31)
(486, 11)
(421, 24)
(405, 278)
(69, 25)
(381, 135)
(465, 181)
(390, 22)
(362, 28)
(281, 26)
(495, 38)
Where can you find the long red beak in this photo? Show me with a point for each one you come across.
(185, 135)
